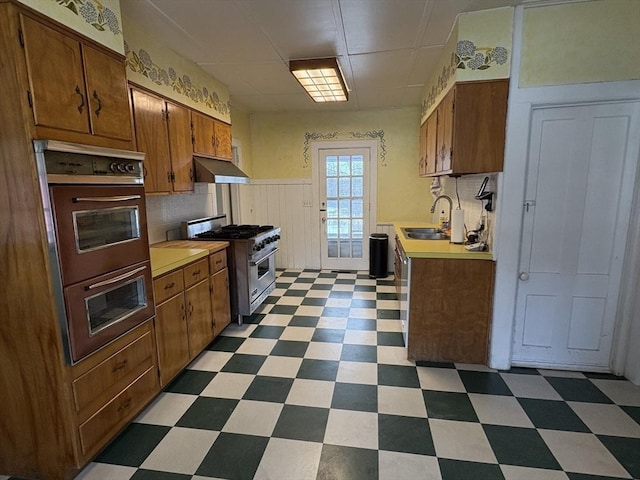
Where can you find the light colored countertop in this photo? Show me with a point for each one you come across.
(210, 245)
(163, 260)
(435, 248)
(167, 256)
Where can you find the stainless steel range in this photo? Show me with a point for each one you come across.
(251, 258)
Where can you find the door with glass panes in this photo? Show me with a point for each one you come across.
(344, 208)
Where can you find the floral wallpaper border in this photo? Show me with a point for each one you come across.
(312, 136)
(466, 56)
(94, 13)
(480, 58)
(142, 63)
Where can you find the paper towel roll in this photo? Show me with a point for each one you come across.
(457, 226)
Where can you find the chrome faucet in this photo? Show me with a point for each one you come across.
(446, 197)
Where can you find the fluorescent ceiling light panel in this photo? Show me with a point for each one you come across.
(321, 78)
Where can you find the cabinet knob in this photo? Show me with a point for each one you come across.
(524, 276)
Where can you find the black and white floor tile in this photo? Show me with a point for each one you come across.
(317, 386)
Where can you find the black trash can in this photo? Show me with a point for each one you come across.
(378, 248)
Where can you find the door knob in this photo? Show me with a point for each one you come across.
(523, 276)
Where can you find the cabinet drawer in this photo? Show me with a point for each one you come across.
(168, 286)
(101, 427)
(217, 261)
(104, 380)
(195, 272)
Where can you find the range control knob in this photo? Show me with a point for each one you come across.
(129, 167)
(113, 166)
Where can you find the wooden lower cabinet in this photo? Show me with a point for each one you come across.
(192, 306)
(172, 337)
(449, 309)
(220, 300)
(199, 317)
(112, 386)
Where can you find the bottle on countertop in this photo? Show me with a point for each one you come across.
(442, 220)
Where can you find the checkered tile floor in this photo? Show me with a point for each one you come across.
(317, 386)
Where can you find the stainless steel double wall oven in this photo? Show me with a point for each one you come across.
(98, 247)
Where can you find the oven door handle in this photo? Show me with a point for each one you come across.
(253, 264)
(118, 198)
(117, 279)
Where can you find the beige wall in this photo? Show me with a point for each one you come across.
(479, 48)
(595, 41)
(241, 133)
(278, 142)
(155, 66)
(99, 20)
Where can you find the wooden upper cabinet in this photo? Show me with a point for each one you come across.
(211, 137)
(444, 138)
(431, 144)
(54, 63)
(423, 149)
(204, 137)
(75, 90)
(107, 95)
(152, 139)
(470, 134)
(223, 140)
(179, 124)
(163, 132)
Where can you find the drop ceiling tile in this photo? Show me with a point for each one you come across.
(425, 61)
(224, 30)
(387, 25)
(381, 70)
(380, 98)
(298, 29)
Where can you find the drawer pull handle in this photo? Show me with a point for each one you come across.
(169, 285)
(125, 404)
(218, 262)
(119, 366)
(197, 272)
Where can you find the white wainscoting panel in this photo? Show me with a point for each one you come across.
(289, 204)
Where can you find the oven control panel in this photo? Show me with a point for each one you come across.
(73, 165)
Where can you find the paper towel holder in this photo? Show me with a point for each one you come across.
(485, 195)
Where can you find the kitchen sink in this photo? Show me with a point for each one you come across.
(426, 233)
(428, 236)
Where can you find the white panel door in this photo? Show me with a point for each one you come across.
(580, 181)
(344, 208)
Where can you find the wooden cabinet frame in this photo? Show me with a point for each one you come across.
(465, 133)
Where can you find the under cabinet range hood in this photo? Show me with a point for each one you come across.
(209, 170)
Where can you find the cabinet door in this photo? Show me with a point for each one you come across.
(423, 149)
(220, 300)
(223, 141)
(54, 63)
(204, 140)
(431, 143)
(199, 317)
(444, 138)
(151, 137)
(180, 147)
(107, 95)
(171, 336)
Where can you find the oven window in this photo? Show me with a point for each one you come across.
(112, 306)
(104, 227)
(263, 268)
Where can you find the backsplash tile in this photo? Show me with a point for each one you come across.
(165, 213)
(468, 186)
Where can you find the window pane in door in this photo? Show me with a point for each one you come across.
(332, 208)
(345, 186)
(345, 205)
(356, 249)
(332, 166)
(332, 187)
